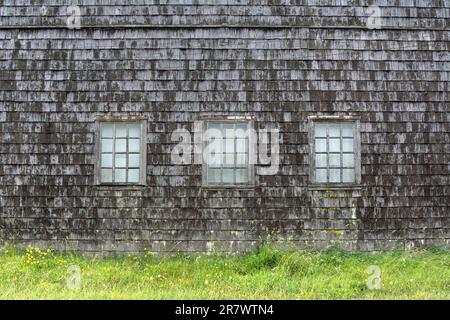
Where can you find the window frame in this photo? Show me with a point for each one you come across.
(142, 120)
(356, 148)
(251, 143)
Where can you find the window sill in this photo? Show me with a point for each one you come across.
(336, 187)
(232, 187)
(126, 187)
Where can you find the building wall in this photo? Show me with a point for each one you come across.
(55, 81)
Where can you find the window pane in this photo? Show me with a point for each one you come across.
(241, 145)
(320, 130)
(121, 145)
(334, 130)
(106, 160)
(321, 175)
(241, 176)
(348, 175)
(107, 130)
(242, 126)
(134, 130)
(133, 175)
(241, 130)
(335, 175)
(335, 160)
(230, 140)
(229, 145)
(228, 176)
(334, 145)
(229, 160)
(334, 150)
(214, 175)
(348, 160)
(107, 145)
(120, 161)
(134, 160)
(120, 175)
(134, 145)
(241, 160)
(347, 145)
(214, 126)
(120, 148)
(321, 160)
(214, 160)
(228, 130)
(121, 130)
(321, 145)
(347, 129)
(106, 175)
(214, 146)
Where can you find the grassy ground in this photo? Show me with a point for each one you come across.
(270, 273)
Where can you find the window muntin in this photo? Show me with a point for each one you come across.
(227, 153)
(121, 152)
(335, 156)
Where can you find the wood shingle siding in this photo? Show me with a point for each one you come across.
(173, 63)
(255, 13)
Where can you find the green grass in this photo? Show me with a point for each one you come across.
(270, 273)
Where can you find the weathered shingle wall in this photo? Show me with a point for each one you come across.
(55, 81)
(263, 13)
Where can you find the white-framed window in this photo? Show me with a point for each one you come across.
(335, 152)
(121, 152)
(226, 153)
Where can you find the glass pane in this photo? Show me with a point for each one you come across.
(120, 175)
(134, 160)
(214, 142)
(133, 175)
(107, 130)
(214, 125)
(214, 146)
(214, 160)
(242, 126)
(121, 145)
(134, 130)
(134, 145)
(213, 132)
(228, 176)
(214, 176)
(347, 129)
(335, 160)
(121, 130)
(106, 175)
(320, 130)
(241, 145)
(348, 160)
(241, 130)
(348, 175)
(120, 161)
(335, 175)
(228, 130)
(107, 145)
(321, 175)
(334, 130)
(347, 145)
(241, 176)
(334, 145)
(229, 159)
(321, 145)
(241, 160)
(229, 145)
(106, 160)
(321, 160)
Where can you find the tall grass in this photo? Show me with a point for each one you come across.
(269, 273)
